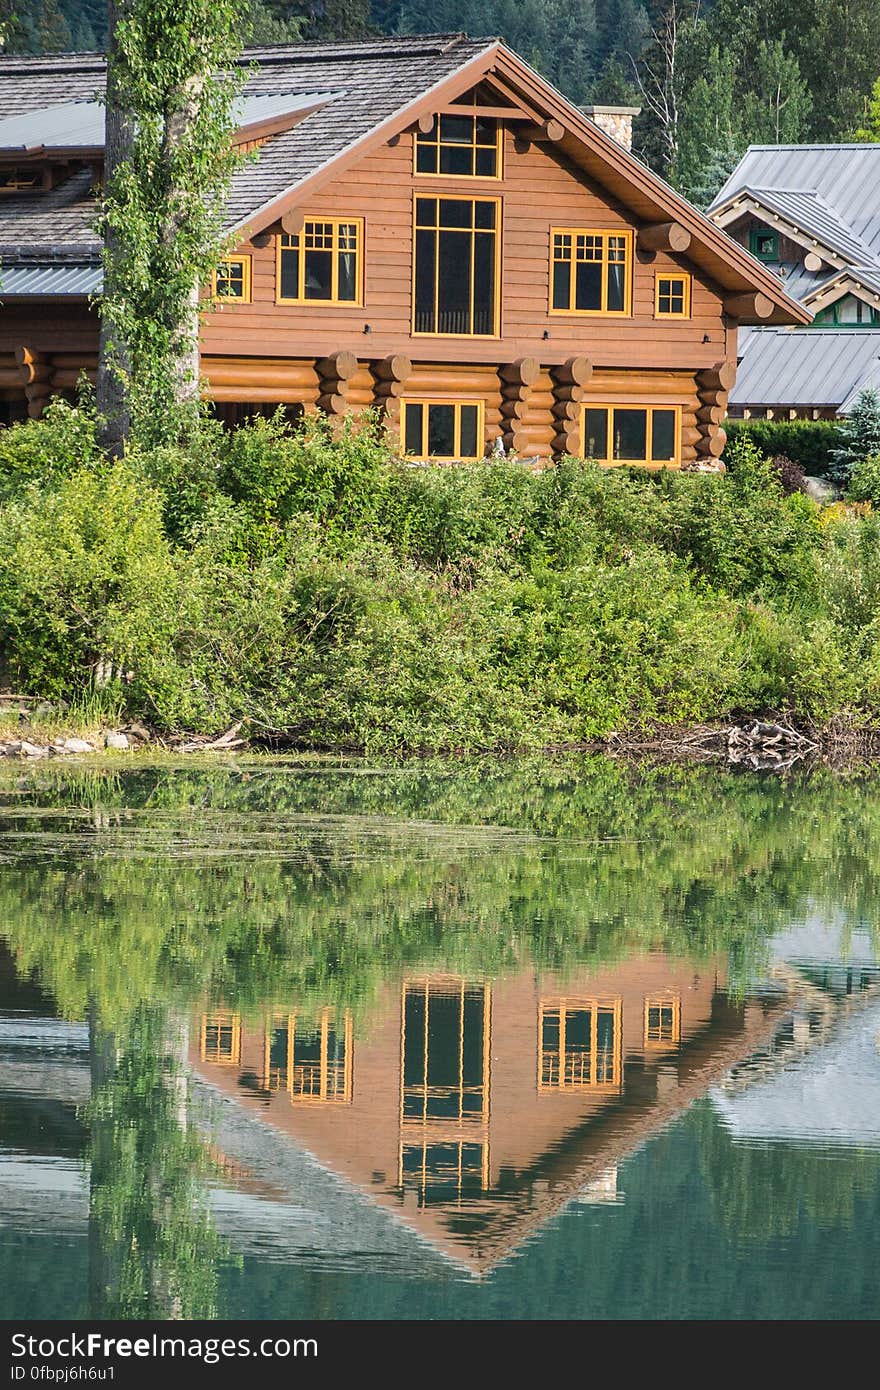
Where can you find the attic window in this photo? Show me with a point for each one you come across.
(764, 244)
(462, 146)
(20, 180)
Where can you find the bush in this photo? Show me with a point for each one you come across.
(318, 587)
(807, 443)
(864, 483)
(791, 475)
(858, 437)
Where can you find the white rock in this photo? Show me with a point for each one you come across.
(820, 489)
(78, 745)
(32, 750)
(114, 740)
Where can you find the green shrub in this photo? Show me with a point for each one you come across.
(806, 442)
(48, 449)
(864, 483)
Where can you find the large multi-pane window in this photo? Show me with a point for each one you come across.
(444, 1172)
(580, 1044)
(310, 1058)
(634, 434)
(456, 266)
(463, 146)
(445, 1051)
(321, 262)
(443, 430)
(590, 271)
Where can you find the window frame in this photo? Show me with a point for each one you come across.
(246, 262)
(662, 1001)
(604, 233)
(686, 279)
(324, 1095)
(754, 233)
(457, 402)
(610, 406)
(334, 301)
(467, 1121)
(420, 140)
(563, 1006)
(496, 304)
(219, 1019)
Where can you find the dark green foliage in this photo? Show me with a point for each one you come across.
(864, 482)
(858, 437)
(807, 443)
(322, 590)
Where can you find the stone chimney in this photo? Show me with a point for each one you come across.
(616, 121)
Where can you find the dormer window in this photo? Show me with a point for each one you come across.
(764, 244)
(461, 146)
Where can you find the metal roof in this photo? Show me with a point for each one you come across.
(80, 124)
(846, 177)
(825, 367)
(808, 210)
(69, 281)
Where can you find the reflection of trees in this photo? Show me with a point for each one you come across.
(216, 881)
(152, 1248)
(763, 1191)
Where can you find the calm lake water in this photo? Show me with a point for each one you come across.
(508, 1040)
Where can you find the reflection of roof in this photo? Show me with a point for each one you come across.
(846, 178)
(829, 1096)
(816, 367)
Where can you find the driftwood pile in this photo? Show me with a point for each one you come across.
(755, 744)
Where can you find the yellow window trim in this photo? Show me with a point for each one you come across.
(422, 140)
(222, 1019)
(325, 1094)
(670, 1002)
(299, 236)
(457, 402)
(423, 1141)
(245, 296)
(685, 278)
(591, 1082)
(610, 462)
(465, 1124)
(626, 311)
(496, 306)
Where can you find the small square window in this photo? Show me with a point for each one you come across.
(232, 279)
(764, 244)
(672, 296)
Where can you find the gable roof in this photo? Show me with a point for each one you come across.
(808, 211)
(377, 88)
(824, 367)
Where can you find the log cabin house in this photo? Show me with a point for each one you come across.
(428, 228)
(470, 1111)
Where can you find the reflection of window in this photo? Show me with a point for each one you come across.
(580, 1044)
(455, 270)
(630, 434)
(232, 279)
(320, 262)
(459, 145)
(590, 271)
(221, 1038)
(444, 1171)
(672, 296)
(443, 429)
(309, 1058)
(445, 1051)
(764, 244)
(662, 1022)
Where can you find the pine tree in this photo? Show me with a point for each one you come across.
(53, 29)
(859, 437)
(710, 142)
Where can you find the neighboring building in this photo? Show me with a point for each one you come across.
(430, 229)
(811, 214)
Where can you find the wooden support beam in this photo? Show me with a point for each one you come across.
(292, 221)
(397, 367)
(494, 113)
(551, 131)
(749, 306)
(523, 372)
(425, 122)
(664, 236)
(718, 378)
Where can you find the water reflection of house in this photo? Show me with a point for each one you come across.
(472, 1110)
